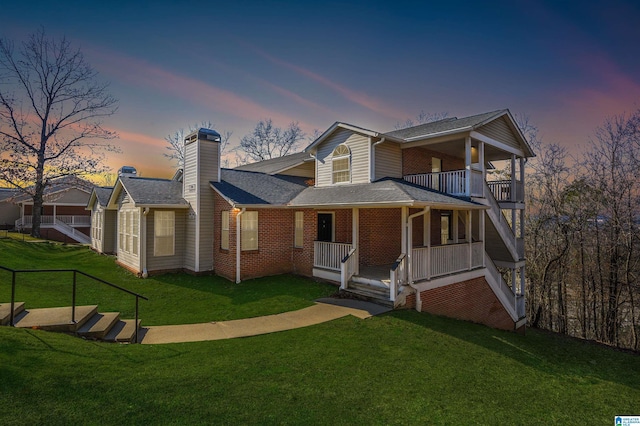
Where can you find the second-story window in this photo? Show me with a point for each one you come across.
(340, 162)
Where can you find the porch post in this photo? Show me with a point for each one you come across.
(355, 237)
(428, 243)
(454, 227)
(522, 176)
(513, 280)
(481, 217)
(467, 162)
(481, 160)
(404, 213)
(513, 178)
(469, 238)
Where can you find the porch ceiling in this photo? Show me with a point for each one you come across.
(455, 148)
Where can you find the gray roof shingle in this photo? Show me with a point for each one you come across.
(384, 191)
(275, 165)
(448, 124)
(253, 188)
(103, 193)
(151, 191)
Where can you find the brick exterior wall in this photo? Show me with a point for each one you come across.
(60, 210)
(343, 225)
(276, 253)
(380, 236)
(418, 228)
(418, 160)
(471, 300)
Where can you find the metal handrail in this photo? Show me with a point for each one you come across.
(73, 297)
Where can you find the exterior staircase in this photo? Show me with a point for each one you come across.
(369, 289)
(89, 323)
(71, 232)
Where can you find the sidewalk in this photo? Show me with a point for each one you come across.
(326, 309)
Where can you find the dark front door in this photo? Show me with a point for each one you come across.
(325, 227)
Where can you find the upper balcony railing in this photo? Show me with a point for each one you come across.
(453, 182)
(503, 190)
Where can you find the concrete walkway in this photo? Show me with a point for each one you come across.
(324, 310)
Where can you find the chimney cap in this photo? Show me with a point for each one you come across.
(203, 134)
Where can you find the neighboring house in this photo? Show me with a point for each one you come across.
(101, 220)
(405, 217)
(9, 211)
(64, 215)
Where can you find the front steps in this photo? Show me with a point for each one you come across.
(367, 289)
(89, 323)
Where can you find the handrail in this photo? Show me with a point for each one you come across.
(347, 269)
(397, 277)
(73, 299)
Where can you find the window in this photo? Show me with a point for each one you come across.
(224, 234)
(445, 228)
(340, 164)
(249, 231)
(128, 231)
(164, 227)
(299, 232)
(96, 226)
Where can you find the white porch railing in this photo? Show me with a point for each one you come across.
(432, 262)
(454, 182)
(329, 255)
(397, 275)
(348, 267)
(501, 190)
(49, 220)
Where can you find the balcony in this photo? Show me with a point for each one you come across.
(461, 183)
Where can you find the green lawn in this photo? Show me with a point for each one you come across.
(399, 368)
(173, 298)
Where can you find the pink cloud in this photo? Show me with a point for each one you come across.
(361, 99)
(141, 73)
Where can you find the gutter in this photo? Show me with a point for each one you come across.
(143, 242)
(238, 244)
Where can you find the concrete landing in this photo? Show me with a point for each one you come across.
(327, 309)
(55, 319)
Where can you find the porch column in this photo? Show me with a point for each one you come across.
(513, 280)
(404, 241)
(522, 176)
(427, 241)
(481, 217)
(467, 165)
(355, 237)
(469, 238)
(454, 227)
(481, 161)
(513, 178)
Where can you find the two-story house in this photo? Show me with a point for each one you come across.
(407, 217)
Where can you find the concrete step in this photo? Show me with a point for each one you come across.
(99, 325)
(55, 319)
(369, 288)
(123, 331)
(5, 311)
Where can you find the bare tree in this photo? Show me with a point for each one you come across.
(175, 142)
(51, 107)
(422, 118)
(267, 141)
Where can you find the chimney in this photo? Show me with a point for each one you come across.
(128, 171)
(201, 166)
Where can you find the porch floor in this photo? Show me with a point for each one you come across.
(376, 272)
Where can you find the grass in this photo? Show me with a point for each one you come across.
(173, 298)
(399, 368)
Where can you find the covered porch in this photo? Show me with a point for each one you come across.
(388, 248)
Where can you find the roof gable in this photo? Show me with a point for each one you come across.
(338, 125)
(149, 192)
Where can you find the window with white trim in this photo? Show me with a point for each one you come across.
(249, 231)
(164, 233)
(299, 231)
(224, 230)
(340, 164)
(128, 231)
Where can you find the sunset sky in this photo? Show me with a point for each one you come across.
(567, 65)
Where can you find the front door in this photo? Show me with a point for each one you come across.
(325, 227)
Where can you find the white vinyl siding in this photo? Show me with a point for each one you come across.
(388, 160)
(224, 231)
(128, 232)
(299, 230)
(164, 228)
(249, 230)
(359, 165)
(500, 131)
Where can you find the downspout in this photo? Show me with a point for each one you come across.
(238, 244)
(409, 228)
(143, 242)
(372, 169)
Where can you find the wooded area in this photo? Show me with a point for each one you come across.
(583, 228)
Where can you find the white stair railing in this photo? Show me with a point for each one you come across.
(514, 305)
(72, 232)
(398, 276)
(348, 267)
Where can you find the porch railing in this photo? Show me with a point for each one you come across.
(432, 262)
(329, 255)
(453, 182)
(397, 275)
(502, 190)
(72, 220)
(348, 266)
